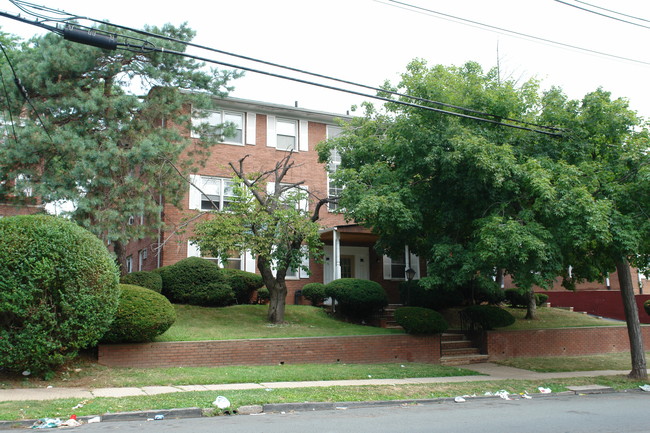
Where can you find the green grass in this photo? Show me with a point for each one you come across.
(17, 410)
(609, 361)
(92, 375)
(556, 318)
(249, 321)
(547, 318)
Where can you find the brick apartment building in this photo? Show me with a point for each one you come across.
(267, 132)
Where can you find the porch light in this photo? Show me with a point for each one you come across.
(410, 274)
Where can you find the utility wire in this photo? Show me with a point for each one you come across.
(23, 92)
(612, 11)
(11, 117)
(512, 32)
(68, 16)
(603, 14)
(110, 42)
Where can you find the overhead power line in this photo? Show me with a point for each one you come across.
(510, 32)
(91, 36)
(613, 11)
(603, 14)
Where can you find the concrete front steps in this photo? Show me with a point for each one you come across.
(387, 317)
(457, 349)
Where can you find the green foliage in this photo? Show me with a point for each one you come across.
(98, 128)
(487, 317)
(646, 306)
(519, 299)
(58, 291)
(142, 315)
(415, 294)
(263, 295)
(271, 219)
(150, 280)
(242, 283)
(196, 281)
(314, 292)
(417, 320)
(357, 298)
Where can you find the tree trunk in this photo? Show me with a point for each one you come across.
(637, 352)
(277, 303)
(531, 311)
(120, 256)
(277, 290)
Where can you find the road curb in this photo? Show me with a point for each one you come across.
(195, 412)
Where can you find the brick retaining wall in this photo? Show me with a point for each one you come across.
(273, 351)
(558, 342)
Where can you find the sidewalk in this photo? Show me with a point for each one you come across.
(489, 371)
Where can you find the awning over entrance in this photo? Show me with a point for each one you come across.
(350, 242)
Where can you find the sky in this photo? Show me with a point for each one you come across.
(370, 41)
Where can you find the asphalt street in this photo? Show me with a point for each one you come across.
(593, 413)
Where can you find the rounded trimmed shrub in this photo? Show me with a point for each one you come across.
(646, 306)
(518, 299)
(242, 283)
(193, 281)
(263, 295)
(487, 317)
(218, 294)
(149, 280)
(58, 291)
(357, 298)
(142, 315)
(314, 292)
(418, 320)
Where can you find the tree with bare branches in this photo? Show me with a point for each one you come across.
(271, 218)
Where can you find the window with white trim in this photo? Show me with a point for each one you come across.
(233, 121)
(301, 192)
(333, 189)
(395, 267)
(233, 261)
(142, 256)
(287, 134)
(210, 193)
(129, 264)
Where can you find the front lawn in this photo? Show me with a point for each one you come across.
(249, 321)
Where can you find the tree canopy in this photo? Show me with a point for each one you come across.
(104, 129)
(474, 198)
(270, 217)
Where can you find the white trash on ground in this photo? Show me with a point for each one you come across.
(221, 402)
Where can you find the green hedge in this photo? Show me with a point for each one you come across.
(196, 281)
(142, 315)
(242, 283)
(314, 292)
(418, 320)
(150, 280)
(357, 298)
(519, 299)
(58, 292)
(487, 317)
(413, 294)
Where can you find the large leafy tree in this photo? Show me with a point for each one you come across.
(455, 190)
(271, 218)
(473, 198)
(103, 129)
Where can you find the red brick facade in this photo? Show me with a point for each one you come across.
(274, 351)
(559, 342)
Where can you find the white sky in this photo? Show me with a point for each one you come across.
(368, 41)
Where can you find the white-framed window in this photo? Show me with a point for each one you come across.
(230, 119)
(395, 267)
(333, 190)
(287, 134)
(235, 260)
(302, 190)
(129, 264)
(297, 273)
(23, 185)
(142, 256)
(213, 193)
